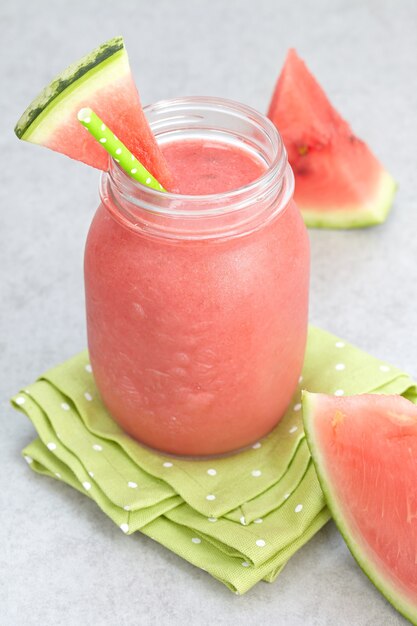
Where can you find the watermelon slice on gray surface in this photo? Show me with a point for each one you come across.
(364, 449)
(339, 183)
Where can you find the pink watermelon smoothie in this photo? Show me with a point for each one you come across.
(203, 167)
(197, 346)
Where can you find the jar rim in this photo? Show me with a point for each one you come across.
(159, 201)
(232, 213)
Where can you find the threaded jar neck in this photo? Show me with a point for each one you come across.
(190, 217)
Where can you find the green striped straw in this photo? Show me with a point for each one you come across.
(127, 161)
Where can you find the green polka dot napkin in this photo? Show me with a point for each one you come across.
(241, 517)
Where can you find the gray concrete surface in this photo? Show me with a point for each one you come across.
(61, 560)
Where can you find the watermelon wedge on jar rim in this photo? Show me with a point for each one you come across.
(103, 81)
(339, 183)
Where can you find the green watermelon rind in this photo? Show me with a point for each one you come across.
(371, 214)
(402, 605)
(64, 82)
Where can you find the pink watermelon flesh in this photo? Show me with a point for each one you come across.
(365, 452)
(334, 170)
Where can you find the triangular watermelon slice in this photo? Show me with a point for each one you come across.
(339, 183)
(365, 452)
(103, 81)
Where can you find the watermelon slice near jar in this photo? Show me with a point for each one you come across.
(364, 449)
(339, 183)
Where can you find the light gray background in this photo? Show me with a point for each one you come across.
(61, 560)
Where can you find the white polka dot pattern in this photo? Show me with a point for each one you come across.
(114, 147)
(210, 476)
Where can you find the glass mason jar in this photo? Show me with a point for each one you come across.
(197, 306)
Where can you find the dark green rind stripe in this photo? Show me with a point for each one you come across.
(72, 74)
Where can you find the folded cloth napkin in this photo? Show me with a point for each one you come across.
(239, 517)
